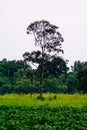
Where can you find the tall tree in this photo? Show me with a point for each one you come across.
(48, 38)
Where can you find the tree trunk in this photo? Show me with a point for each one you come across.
(41, 86)
(41, 78)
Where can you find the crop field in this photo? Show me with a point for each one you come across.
(43, 118)
(54, 112)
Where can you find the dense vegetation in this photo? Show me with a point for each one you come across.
(42, 118)
(17, 77)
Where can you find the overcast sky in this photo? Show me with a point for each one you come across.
(69, 15)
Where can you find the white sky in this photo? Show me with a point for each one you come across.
(69, 15)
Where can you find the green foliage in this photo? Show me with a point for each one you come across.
(5, 85)
(16, 76)
(80, 69)
(56, 67)
(12, 74)
(82, 80)
(7, 88)
(71, 83)
(43, 118)
(53, 85)
(26, 86)
(78, 66)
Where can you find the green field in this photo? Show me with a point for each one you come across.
(43, 118)
(75, 100)
(54, 112)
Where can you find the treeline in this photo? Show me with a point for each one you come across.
(17, 77)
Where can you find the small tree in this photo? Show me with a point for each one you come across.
(49, 40)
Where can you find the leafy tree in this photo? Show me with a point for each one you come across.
(8, 68)
(56, 67)
(24, 85)
(78, 66)
(71, 82)
(49, 40)
(6, 88)
(82, 80)
(54, 86)
(11, 72)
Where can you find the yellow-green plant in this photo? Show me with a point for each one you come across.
(50, 99)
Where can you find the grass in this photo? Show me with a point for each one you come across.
(75, 100)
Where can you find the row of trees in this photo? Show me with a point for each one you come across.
(17, 77)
